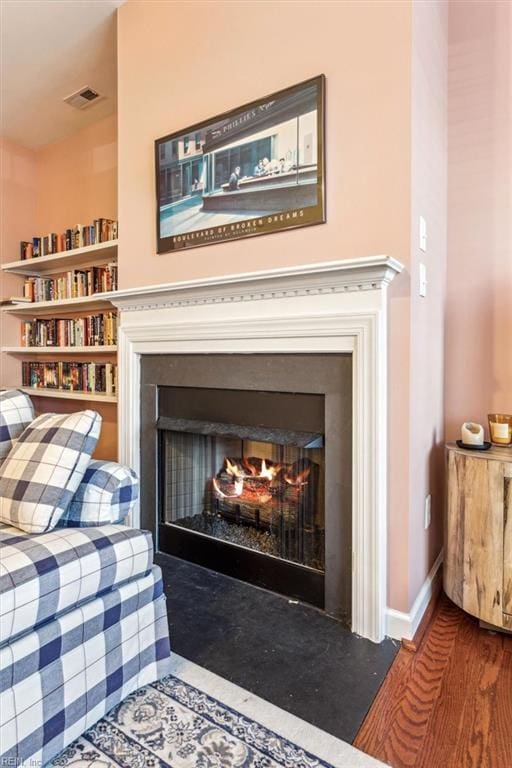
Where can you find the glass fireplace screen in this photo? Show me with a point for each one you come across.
(261, 495)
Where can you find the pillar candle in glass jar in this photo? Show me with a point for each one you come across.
(500, 428)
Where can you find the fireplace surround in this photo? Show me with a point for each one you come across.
(336, 307)
(247, 468)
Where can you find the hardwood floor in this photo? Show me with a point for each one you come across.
(449, 705)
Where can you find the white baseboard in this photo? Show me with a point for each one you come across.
(404, 625)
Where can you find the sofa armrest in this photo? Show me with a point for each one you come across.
(16, 413)
(106, 495)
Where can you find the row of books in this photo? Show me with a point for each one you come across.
(71, 376)
(100, 231)
(72, 285)
(89, 331)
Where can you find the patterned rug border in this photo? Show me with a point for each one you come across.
(150, 760)
(196, 719)
(161, 685)
(322, 745)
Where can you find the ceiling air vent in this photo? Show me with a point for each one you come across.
(83, 98)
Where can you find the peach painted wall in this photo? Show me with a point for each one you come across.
(479, 306)
(18, 198)
(429, 96)
(70, 182)
(166, 82)
(78, 178)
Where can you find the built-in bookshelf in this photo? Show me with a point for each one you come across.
(60, 394)
(98, 349)
(80, 269)
(86, 377)
(82, 303)
(59, 262)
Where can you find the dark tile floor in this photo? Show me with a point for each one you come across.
(289, 654)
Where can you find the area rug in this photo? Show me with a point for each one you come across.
(195, 719)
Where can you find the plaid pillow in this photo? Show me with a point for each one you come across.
(16, 413)
(44, 468)
(107, 493)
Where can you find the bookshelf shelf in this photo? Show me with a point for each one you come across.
(65, 395)
(64, 320)
(103, 349)
(54, 262)
(96, 301)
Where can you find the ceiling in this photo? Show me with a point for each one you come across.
(48, 50)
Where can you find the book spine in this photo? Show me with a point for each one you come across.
(100, 231)
(25, 253)
(71, 376)
(90, 331)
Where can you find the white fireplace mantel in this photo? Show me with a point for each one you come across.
(366, 273)
(336, 306)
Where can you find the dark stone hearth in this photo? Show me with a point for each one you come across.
(290, 654)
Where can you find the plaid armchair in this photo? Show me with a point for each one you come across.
(83, 618)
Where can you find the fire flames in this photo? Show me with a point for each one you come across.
(255, 480)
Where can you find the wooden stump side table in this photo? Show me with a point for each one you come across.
(477, 571)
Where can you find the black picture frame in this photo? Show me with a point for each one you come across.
(254, 170)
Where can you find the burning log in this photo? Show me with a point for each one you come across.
(263, 493)
(250, 480)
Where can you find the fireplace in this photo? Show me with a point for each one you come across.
(253, 468)
(334, 308)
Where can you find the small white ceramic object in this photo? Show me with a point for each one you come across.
(472, 434)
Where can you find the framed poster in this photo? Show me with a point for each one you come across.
(254, 170)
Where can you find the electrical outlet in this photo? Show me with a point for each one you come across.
(423, 280)
(423, 234)
(428, 511)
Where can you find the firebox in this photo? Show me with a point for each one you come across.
(255, 482)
